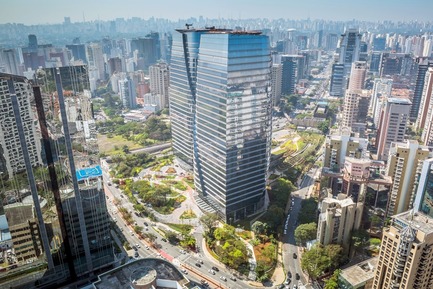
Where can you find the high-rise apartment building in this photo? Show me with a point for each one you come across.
(9, 61)
(357, 76)
(127, 91)
(159, 82)
(375, 60)
(95, 59)
(338, 218)
(381, 91)
(392, 124)
(406, 253)
(356, 104)
(338, 147)
(220, 106)
(405, 160)
(54, 204)
(277, 79)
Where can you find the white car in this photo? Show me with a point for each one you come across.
(223, 278)
(285, 232)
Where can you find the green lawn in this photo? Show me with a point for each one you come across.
(108, 145)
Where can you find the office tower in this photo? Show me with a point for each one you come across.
(396, 64)
(424, 189)
(404, 161)
(114, 65)
(357, 76)
(338, 147)
(406, 255)
(33, 43)
(289, 74)
(10, 61)
(78, 51)
(350, 43)
(52, 202)
(425, 102)
(127, 92)
(331, 42)
(381, 91)
(277, 80)
(148, 50)
(375, 60)
(392, 124)
(379, 43)
(338, 80)
(220, 110)
(95, 59)
(337, 219)
(423, 66)
(159, 82)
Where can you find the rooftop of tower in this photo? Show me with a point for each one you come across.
(416, 220)
(213, 29)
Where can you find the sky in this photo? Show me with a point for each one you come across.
(53, 11)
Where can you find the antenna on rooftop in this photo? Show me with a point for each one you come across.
(188, 25)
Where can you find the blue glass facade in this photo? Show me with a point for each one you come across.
(229, 117)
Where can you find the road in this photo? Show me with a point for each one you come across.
(152, 149)
(292, 264)
(174, 254)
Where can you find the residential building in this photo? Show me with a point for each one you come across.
(381, 91)
(356, 103)
(221, 116)
(127, 92)
(375, 60)
(338, 218)
(159, 82)
(338, 147)
(404, 161)
(277, 80)
(56, 214)
(358, 276)
(9, 61)
(406, 253)
(95, 59)
(392, 124)
(357, 76)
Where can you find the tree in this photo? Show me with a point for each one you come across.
(332, 282)
(259, 228)
(360, 239)
(138, 230)
(324, 126)
(305, 232)
(320, 259)
(209, 221)
(171, 237)
(308, 212)
(150, 237)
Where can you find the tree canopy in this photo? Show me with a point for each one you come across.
(321, 259)
(305, 232)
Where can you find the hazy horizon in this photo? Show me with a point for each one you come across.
(51, 12)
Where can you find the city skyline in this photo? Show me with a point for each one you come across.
(49, 12)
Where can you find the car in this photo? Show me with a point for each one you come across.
(202, 281)
(285, 231)
(136, 255)
(223, 278)
(215, 269)
(287, 281)
(164, 239)
(200, 261)
(136, 245)
(295, 256)
(147, 247)
(184, 271)
(109, 183)
(211, 271)
(297, 276)
(145, 223)
(135, 248)
(282, 286)
(289, 274)
(233, 278)
(198, 265)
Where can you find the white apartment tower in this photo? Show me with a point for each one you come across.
(159, 82)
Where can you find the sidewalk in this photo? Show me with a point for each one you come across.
(279, 275)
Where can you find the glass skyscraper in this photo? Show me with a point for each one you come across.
(54, 222)
(220, 105)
